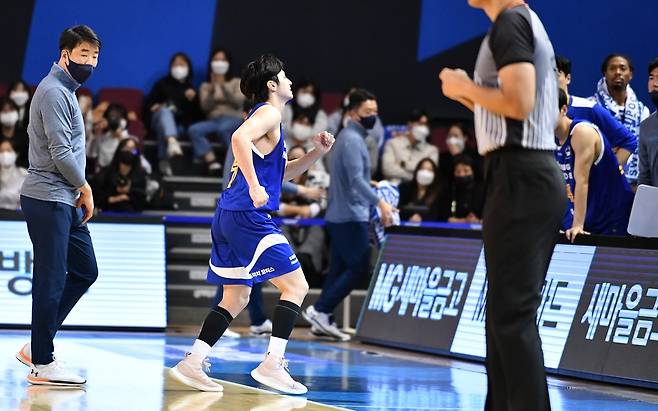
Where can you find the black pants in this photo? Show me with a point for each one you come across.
(525, 201)
(64, 268)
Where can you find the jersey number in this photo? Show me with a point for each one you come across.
(234, 173)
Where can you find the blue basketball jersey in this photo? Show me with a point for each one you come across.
(609, 198)
(269, 170)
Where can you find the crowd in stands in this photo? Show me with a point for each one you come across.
(437, 169)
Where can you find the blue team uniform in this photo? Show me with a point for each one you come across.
(247, 247)
(609, 198)
(616, 133)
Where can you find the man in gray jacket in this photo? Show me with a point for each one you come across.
(57, 203)
(348, 213)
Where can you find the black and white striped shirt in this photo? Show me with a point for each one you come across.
(518, 36)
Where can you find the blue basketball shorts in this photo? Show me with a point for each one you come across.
(248, 248)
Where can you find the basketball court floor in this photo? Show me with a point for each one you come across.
(125, 371)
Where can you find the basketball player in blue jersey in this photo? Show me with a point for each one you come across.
(599, 196)
(247, 247)
(624, 143)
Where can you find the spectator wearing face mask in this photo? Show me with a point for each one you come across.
(422, 198)
(122, 184)
(306, 104)
(467, 193)
(11, 176)
(457, 144)
(19, 93)
(402, 154)
(101, 149)
(309, 241)
(10, 129)
(221, 102)
(172, 106)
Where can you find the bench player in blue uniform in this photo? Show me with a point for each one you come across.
(247, 247)
(599, 196)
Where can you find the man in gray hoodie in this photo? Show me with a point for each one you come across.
(348, 213)
(57, 202)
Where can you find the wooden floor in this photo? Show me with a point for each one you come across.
(128, 372)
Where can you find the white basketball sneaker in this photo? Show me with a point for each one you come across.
(323, 324)
(25, 355)
(230, 334)
(191, 371)
(263, 330)
(273, 372)
(54, 374)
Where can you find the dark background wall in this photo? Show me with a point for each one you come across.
(395, 48)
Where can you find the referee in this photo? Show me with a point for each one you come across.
(514, 98)
(57, 203)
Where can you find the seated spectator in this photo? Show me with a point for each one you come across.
(466, 193)
(122, 185)
(11, 176)
(402, 154)
(300, 134)
(221, 102)
(648, 151)
(623, 141)
(614, 92)
(10, 129)
(19, 92)
(457, 144)
(298, 205)
(309, 242)
(101, 149)
(421, 198)
(172, 106)
(374, 140)
(599, 197)
(305, 105)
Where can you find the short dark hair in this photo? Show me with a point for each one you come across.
(460, 126)
(12, 142)
(653, 65)
(464, 159)
(6, 101)
(74, 36)
(188, 61)
(416, 115)
(563, 100)
(300, 115)
(358, 96)
(116, 107)
(606, 61)
(563, 64)
(256, 75)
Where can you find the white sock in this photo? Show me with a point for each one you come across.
(277, 346)
(200, 350)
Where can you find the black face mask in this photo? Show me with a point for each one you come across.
(464, 182)
(79, 72)
(368, 122)
(654, 98)
(127, 158)
(113, 123)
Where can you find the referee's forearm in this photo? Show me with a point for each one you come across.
(495, 101)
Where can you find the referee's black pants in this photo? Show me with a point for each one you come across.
(525, 202)
(64, 268)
